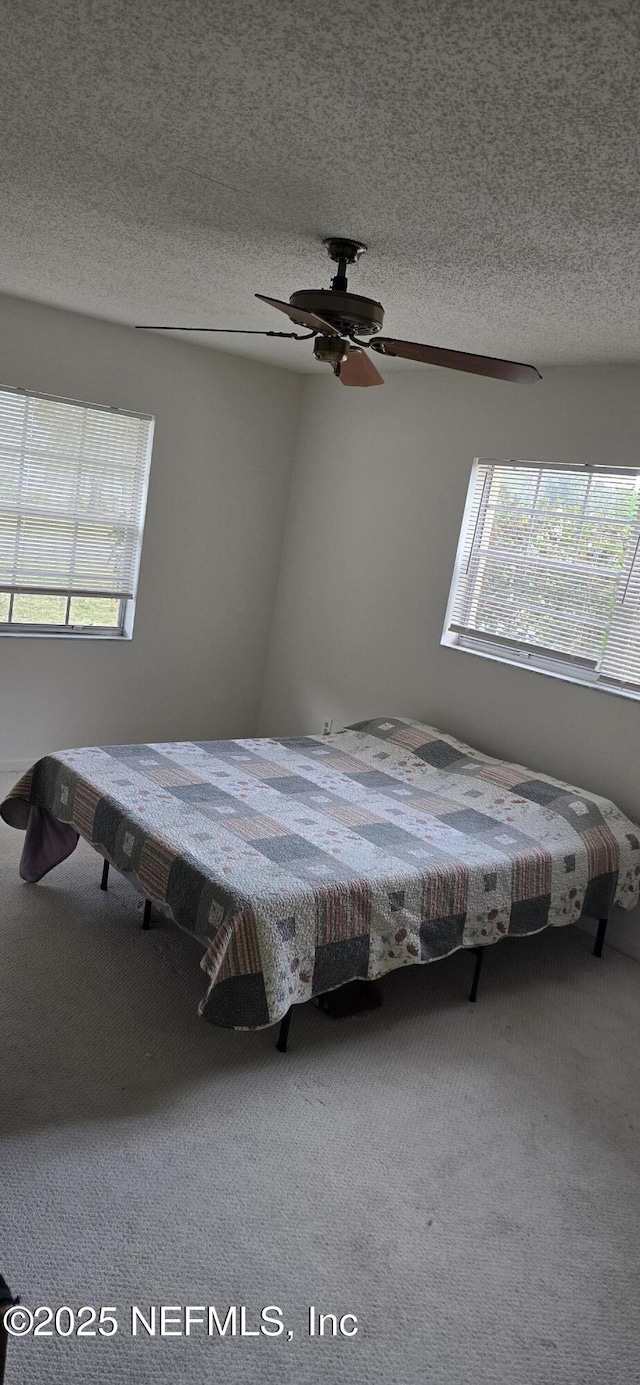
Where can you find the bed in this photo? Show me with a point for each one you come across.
(302, 863)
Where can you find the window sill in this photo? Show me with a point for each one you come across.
(529, 667)
(61, 635)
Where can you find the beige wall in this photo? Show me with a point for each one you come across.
(374, 514)
(224, 437)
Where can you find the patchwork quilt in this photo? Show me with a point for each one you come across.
(305, 862)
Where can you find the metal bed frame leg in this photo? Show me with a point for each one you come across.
(602, 928)
(479, 951)
(283, 1032)
(105, 876)
(146, 917)
(6, 1301)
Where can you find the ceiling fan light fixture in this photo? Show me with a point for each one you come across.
(332, 350)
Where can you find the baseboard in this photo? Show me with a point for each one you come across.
(623, 932)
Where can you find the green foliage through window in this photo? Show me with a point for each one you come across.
(548, 561)
(40, 609)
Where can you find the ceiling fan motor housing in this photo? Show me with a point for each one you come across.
(347, 312)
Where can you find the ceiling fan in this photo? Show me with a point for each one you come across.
(336, 319)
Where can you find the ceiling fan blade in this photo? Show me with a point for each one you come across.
(358, 369)
(298, 315)
(237, 331)
(456, 360)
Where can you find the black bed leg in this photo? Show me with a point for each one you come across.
(6, 1301)
(479, 951)
(146, 917)
(105, 876)
(283, 1032)
(602, 928)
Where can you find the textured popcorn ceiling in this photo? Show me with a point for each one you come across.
(161, 160)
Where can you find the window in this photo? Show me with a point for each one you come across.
(73, 488)
(548, 571)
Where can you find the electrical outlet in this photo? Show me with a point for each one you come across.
(326, 730)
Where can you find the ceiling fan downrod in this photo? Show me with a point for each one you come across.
(344, 252)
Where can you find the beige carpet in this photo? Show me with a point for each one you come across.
(462, 1178)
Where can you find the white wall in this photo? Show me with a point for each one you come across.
(224, 439)
(374, 515)
(374, 509)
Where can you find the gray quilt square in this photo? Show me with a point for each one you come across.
(218, 747)
(438, 753)
(599, 896)
(108, 818)
(577, 810)
(238, 995)
(473, 823)
(305, 743)
(130, 842)
(339, 962)
(286, 849)
(374, 779)
(386, 834)
(383, 728)
(537, 791)
(130, 752)
(48, 779)
(186, 886)
(438, 937)
(529, 915)
(290, 784)
(207, 794)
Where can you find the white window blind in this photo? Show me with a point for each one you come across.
(548, 569)
(73, 485)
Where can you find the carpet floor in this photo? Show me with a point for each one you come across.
(462, 1178)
